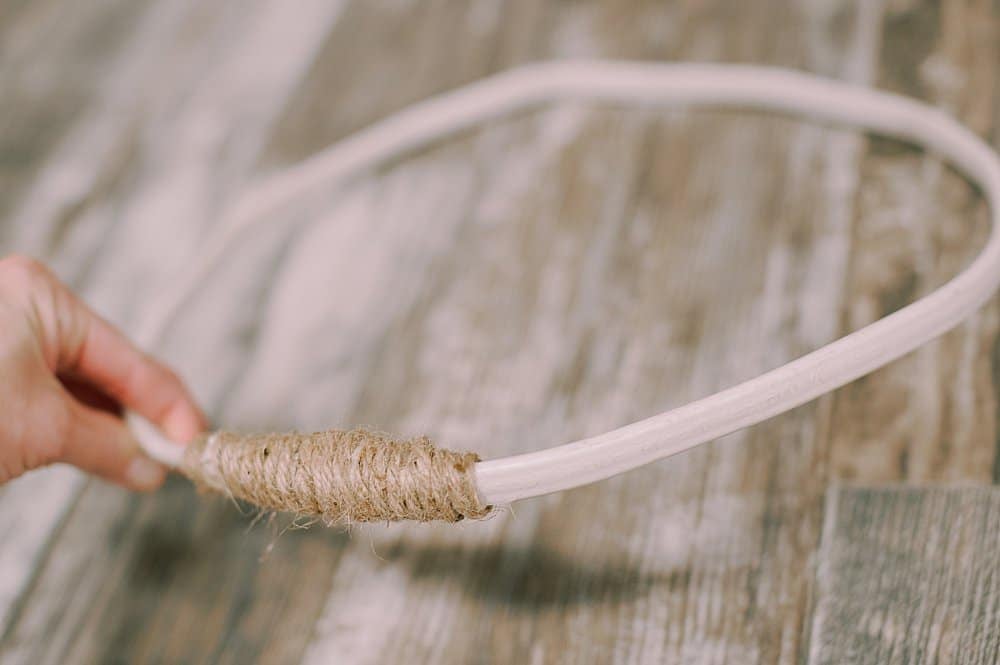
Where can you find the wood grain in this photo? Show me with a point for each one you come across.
(909, 576)
(932, 415)
(551, 275)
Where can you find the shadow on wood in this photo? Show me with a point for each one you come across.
(531, 577)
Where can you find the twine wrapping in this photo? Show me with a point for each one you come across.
(340, 476)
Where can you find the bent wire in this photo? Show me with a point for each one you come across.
(504, 480)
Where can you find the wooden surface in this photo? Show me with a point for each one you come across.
(909, 576)
(552, 275)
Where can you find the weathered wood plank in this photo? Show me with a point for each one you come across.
(78, 214)
(522, 331)
(589, 321)
(51, 70)
(932, 415)
(550, 276)
(908, 576)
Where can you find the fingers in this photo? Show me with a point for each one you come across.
(80, 344)
(87, 394)
(109, 361)
(100, 443)
(49, 334)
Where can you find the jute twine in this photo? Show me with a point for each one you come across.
(339, 476)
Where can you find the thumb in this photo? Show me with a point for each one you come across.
(100, 443)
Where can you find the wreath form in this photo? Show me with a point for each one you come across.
(504, 480)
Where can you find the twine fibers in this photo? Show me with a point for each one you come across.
(339, 476)
(359, 476)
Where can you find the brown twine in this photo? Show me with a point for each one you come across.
(340, 476)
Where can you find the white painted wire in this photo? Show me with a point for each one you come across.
(501, 481)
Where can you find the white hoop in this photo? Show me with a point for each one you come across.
(508, 479)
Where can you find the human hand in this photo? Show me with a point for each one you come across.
(65, 376)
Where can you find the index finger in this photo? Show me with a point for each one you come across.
(106, 358)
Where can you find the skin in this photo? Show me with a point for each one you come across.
(67, 375)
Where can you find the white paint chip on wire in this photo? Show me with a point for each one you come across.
(658, 85)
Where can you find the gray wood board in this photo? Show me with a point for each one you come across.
(909, 575)
(549, 276)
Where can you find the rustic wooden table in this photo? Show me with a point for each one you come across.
(555, 274)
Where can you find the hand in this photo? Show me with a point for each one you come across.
(65, 376)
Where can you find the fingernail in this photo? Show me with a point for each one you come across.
(145, 474)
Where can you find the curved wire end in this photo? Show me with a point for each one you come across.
(153, 442)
